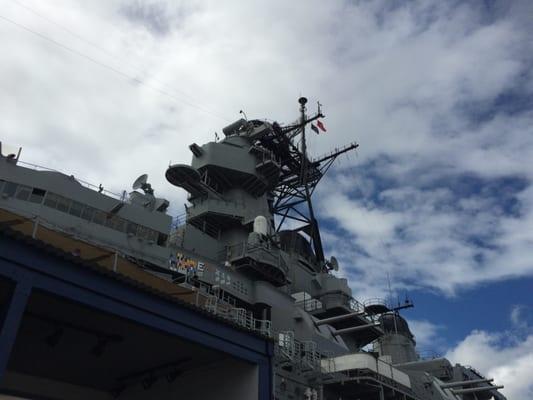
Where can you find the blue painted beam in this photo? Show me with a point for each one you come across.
(11, 323)
(265, 380)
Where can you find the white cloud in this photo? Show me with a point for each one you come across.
(428, 341)
(505, 356)
(510, 365)
(425, 237)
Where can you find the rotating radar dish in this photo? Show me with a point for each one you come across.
(140, 182)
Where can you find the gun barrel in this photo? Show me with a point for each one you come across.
(478, 389)
(355, 328)
(462, 383)
(338, 318)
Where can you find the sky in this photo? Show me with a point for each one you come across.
(438, 198)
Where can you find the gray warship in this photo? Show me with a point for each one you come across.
(249, 249)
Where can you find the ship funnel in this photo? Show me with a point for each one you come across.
(260, 225)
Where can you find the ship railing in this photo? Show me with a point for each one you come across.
(177, 229)
(176, 237)
(310, 355)
(206, 227)
(237, 204)
(309, 305)
(427, 354)
(122, 197)
(264, 154)
(240, 316)
(475, 371)
(355, 305)
(285, 346)
(263, 326)
(221, 304)
(303, 354)
(371, 317)
(222, 296)
(211, 304)
(243, 249)
(273, 258)
(179, 220)
(375, 301)
(216, 205)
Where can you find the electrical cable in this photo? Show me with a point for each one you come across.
(111, 68)
(96, 46)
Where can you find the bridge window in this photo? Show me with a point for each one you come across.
(87, 213)
(10, 188)
(76, 209)
(80, 210)
(23, 192)
(115, 223)
(51, 200)
(63, 204)
(99, 217)
(37, 195)
(161, 239)
(132, 228)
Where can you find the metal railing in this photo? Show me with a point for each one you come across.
(243, 249)
(428, 354)
(355, 305)
(218, 304)
(309, 305)
(375, 301)
(99, 188)
(302, 354)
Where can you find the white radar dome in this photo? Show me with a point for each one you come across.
(260, 225)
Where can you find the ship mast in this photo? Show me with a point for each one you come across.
(313, 225)
(299, 176)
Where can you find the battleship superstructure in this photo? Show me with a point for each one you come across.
(235, 250)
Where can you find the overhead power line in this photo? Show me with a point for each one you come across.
(111, 68)
(71, 32)
(98, 47)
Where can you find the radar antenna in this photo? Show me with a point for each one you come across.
(142, 183)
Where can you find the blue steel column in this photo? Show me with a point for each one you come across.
(265, 381)
(11, 323)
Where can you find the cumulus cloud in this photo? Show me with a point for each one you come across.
(511, 365)
(429, 341)
(447, 232)
(505, 356)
